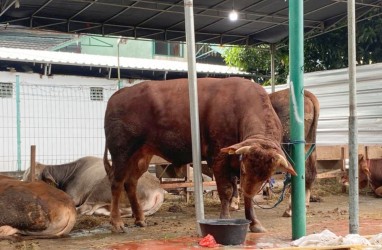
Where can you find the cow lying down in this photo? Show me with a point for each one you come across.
(34, 208)
(86, 182)
(369, 174)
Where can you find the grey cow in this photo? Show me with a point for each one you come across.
(86, 182)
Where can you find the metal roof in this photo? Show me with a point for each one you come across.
(259, 20)
(65, 58)
(21, 37)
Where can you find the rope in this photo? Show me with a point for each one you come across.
(287, 182)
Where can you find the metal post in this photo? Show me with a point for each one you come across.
(273, 51)
(33, 163)
(18, 123)
(119, 68)
(296, 55)
(194, 111)
(353, 128)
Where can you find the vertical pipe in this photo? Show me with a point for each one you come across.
(194, 111)
(18, 123)
(118, 65)
(353, 128)
(296, 55)
(273, 51)
(33, 163)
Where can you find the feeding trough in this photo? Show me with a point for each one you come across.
(225, 231)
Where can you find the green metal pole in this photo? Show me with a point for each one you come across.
(296, 55)
(18, 123)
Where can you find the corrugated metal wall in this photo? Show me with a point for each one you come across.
(332, 90)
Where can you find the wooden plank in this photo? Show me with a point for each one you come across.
(373, 152)
(175, 185)
(329, 174)
(334, 152)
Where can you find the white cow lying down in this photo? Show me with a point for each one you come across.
(85, 180)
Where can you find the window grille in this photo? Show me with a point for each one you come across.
(6, 90)
(96, 93)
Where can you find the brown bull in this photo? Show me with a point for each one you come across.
(153, 118)
(370, 174)
(280, 102)
(34, 208)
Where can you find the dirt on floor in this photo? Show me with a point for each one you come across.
(176, 218)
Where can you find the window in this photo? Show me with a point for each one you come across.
(96, 93)
(168, 48)
(6, 90)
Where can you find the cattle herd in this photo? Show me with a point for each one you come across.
(242, 134)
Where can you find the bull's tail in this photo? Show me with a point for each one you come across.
(312, 132)
(106, 161)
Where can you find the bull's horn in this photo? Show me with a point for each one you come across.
(283, 164)
(242, 150)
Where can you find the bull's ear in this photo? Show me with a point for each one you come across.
(283, 164)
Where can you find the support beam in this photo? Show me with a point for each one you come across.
(353, 128)
(193, 95)
(296, 55)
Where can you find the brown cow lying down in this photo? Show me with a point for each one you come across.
(34, 208)
(153, 118)
(280, 102)
(370, 174)
(86, 182)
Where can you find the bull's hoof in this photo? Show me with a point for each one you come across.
(257, 229)
(287, 213)
(141, 223)
(118, 227)
(234, 206)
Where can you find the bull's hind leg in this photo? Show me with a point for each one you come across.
(140, 162)
(115, 215)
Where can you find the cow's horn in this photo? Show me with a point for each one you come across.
(242, 150)
(283, 164)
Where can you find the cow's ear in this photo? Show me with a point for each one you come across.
(48, 178)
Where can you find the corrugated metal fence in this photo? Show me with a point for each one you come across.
(332, 90)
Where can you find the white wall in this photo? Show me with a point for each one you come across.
(56, 115)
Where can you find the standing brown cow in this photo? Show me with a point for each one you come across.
(280, 102)
(153, 118)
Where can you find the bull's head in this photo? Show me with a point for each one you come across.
(259, 161)
(363, 171)
(40, 174)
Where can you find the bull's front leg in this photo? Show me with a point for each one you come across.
(255, 225)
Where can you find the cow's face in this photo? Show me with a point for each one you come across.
(259, 162)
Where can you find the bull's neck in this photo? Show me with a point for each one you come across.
(63, 173)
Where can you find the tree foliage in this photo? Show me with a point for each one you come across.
(322, 52)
